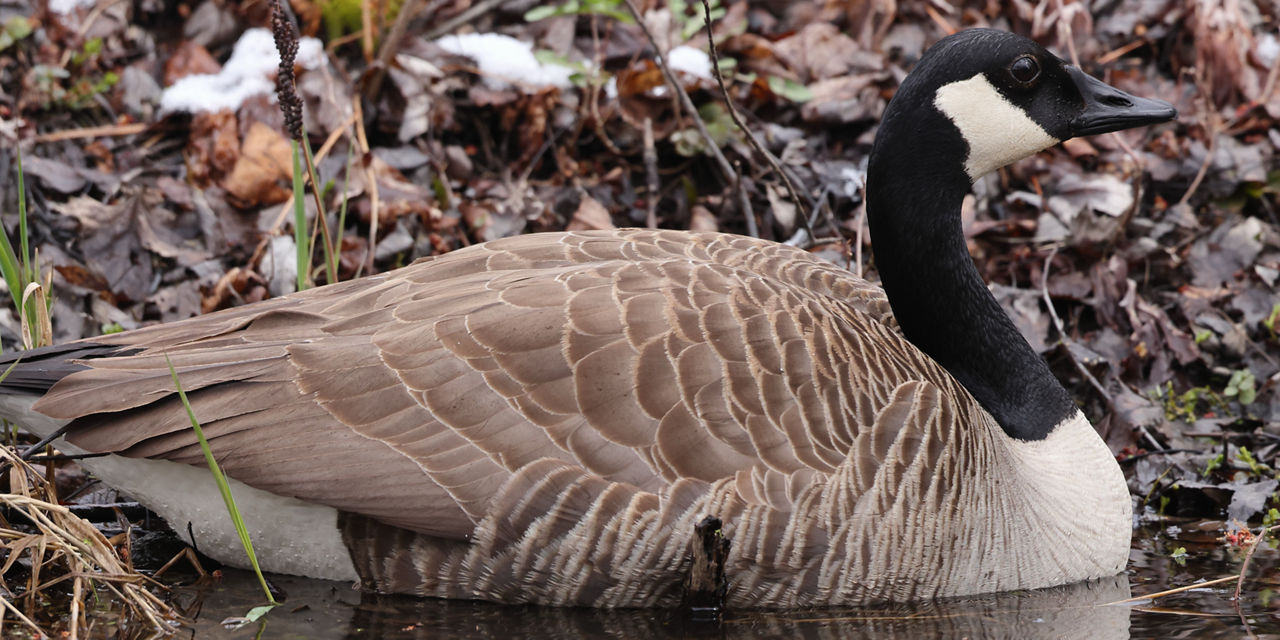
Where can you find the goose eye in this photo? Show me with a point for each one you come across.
(1025, 69)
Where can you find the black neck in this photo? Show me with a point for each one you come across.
(915, 184)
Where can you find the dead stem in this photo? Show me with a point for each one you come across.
(371, 182)
(726, 169)
(1244, 567)
(751, 136)
(1169, 592)
(22, 618)
(651, 175)
(390, 45)
(474, 11)
(69, 549)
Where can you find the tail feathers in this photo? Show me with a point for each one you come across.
(36, 370)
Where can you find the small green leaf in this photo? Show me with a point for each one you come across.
(1270, 321)
(256, 613)
(790, 89)
(1214, 463)
(543, 12)
(1202, 335)
(18, 27)
(1271, 518)
(1242, 386)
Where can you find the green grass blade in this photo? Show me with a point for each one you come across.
(300, 222)
(23, 236)
(322, 223)
(221, 481)
(12, 269)
(342, 217)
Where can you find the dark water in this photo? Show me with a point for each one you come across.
(325, 610)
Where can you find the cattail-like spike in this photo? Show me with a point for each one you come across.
(286, 36)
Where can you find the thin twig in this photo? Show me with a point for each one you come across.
(475, 11)
(1062, 332)
(651, 175)
(371, 183)
(1117, 53)
(1204, 166)
(105, 131)
(287, 206)
(726, 169)
(1065, 32)
(1244, 566)
(1213, 128)
(77, 597)
(1169, 592)
(322, 220)
(390, 46)
(25, 620)
(366, 31)
(751, 136)
(744, 201)
(31, 451)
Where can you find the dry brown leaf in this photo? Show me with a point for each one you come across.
(190, 58)
(843, 100)
(264, 168)
(821, 51)
(213, 147)
(590, 215)
(701, 219)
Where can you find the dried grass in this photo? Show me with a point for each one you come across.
(65, 548)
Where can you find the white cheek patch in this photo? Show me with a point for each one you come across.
(997, 131)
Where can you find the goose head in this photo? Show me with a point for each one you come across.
(976, 101)
(1005, 97)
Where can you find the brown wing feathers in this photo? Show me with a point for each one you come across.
(637, 357)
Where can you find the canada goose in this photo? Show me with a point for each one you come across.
(545, 418)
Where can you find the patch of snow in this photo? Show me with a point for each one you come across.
(1268, 49)
(691, 61)
(249, 72)
(504, 61)
(853, 180)
(67, 7)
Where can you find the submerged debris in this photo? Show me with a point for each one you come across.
(706, 583)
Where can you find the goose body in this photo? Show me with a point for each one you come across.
(546, 418)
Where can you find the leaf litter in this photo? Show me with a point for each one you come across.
(1158, 249)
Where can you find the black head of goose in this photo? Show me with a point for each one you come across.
(546, 418)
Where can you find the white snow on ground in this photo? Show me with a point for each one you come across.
(691, 61)
(66, 7)
(249, 72)
(504, 60)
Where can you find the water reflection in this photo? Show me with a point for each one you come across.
(321, 610)
(327, 610)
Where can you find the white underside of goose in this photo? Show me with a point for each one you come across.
(289, 536)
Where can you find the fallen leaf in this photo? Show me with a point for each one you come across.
(189, 58)
(589, 216)
(213, 147)
(843, 100)
(701, 219)
(1215, 259)
(1249, 498)
(263, 169)
(109, 242)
